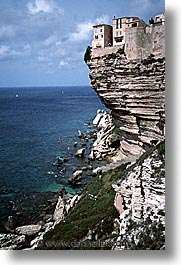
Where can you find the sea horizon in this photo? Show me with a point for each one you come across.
(37, 125)
(45, 86)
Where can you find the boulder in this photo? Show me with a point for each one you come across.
(83, 137)
(75, 178)
(75, 144)
(59, 161)
(28, 230)
(97, 171)
(80, 153)
(77, 173)
(10, 224)
(84, 168)
(60, 210)
(98, 117)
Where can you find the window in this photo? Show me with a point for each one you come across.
(120, 33)
(100, 30)
(116, 33)
(134, 25)
(101, 36)
(120, 24)
(96, 37)
(117, 23)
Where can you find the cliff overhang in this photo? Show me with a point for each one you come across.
(134, 91)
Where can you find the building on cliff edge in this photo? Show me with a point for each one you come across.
(138, 39)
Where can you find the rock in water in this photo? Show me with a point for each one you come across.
(80, 153)
(75, 178)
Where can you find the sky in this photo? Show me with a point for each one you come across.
(42, 42)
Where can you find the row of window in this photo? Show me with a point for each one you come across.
(119, 22)
(118, 33)
(97, 37)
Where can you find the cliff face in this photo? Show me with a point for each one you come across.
(138, 191)
(134, 92)
(140, 200)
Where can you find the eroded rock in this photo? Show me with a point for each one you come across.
(80, 153)
(12, 241)
(134, 92)
(28, 230)
(140, 201)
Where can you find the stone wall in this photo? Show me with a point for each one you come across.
(158, 43)
(141, 42)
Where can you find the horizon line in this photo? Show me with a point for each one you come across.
(44, 86)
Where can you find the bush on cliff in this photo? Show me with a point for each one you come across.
(87, 55)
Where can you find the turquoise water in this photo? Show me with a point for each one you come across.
(37, 124)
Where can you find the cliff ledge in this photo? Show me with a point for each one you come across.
(134, 91)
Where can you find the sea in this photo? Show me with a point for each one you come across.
(38, 124)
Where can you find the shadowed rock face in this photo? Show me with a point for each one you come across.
(134, 91)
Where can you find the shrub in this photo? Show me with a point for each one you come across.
(87, 55)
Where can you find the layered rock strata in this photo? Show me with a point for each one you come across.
(134, 92)
(140, 201)
(106, 138)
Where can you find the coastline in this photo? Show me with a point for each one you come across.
(110, 185)
(57, 204)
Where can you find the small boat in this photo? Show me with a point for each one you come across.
(17, 95)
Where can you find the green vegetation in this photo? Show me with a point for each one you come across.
(87, 55)
(117, 131)
(161, 150)
(95, 212)
(88, 214)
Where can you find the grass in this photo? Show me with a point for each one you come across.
(95, 215)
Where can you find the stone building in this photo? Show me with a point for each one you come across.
(138, 39)
(142, 41)
(121, 24)
(159, 19)
(102, 36)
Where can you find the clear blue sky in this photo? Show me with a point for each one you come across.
(42, 42)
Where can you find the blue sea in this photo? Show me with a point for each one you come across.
(37, 125)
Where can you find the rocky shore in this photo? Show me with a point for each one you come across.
(123, 208)
(121, 204)
(30, 236)
(133, 186)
